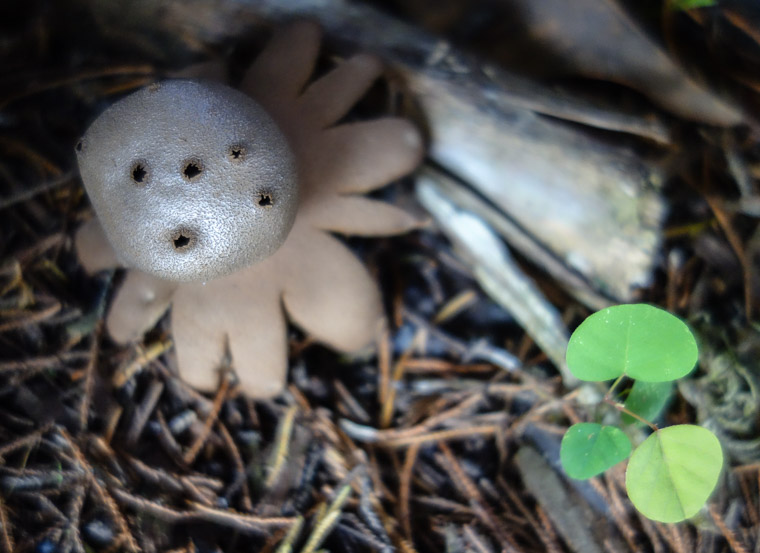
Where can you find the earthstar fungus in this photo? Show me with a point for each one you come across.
(220, 203)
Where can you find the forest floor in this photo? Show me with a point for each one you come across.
(421, 444)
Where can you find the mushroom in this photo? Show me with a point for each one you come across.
(221, 203)
(191, 180)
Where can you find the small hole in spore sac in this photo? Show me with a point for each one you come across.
(265, 200)
(183, 240)
(139, 172)
(236, 153)
(192, 169)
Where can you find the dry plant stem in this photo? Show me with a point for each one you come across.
(143, 357)
(654, 537)
(13, 147)
(241, 521)
(618, 510)
(742, 23)
(381, 525)
(221, 396)
(230, 519)
(350, 404)
(361, 533)
(240, 482)
(144, 411)
(42, 85)
(549, 536)
(476, 541)
(736, 244)
(432, 366)
(28, 194)
(89, 378)
(384, 356)
(405, 489)
(386, 409)
(456, 305)
(102, 494)
(6, 540)
(168, 443)
(750, 499)
(29, 440)
(543, 529)
(546, 486)
(480, 350)
(280, 452)
(328, 518)
(161, 478)
(672, 537)
(73, 516)
(731, 538)
(286, 546)
(31, 318)
(468, 488)
(364, 434)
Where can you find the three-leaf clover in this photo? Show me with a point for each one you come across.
(674, 471)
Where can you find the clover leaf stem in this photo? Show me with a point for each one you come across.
(623, 409)
(619, 379)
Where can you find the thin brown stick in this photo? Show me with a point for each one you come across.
(239, 521)
(6, 538)
(429, 365)
(549, 537)
(750, 500)
(468, 488)
(31, 318)
(89, 378)
(671, 537)
(200, 441)
(167, 441)
(142, 358)
(48, 362)
(241, 478)
(405, 491)
(29, 193)
(654, 537)
(541, 526)
(618, 510)
(401, 434)
(445, 435)
(731, 538)
(244, 523)
(25, 441)
(282, 444)
(384, 365)
(144, 410)
(73, 517)
(476, 540)
(101, 493)
(736, 19)
(41, 86)
(736, 244)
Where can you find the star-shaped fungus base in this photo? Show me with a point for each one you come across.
(316, 280)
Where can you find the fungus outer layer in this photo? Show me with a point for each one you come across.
(191, 180)
(316, 280)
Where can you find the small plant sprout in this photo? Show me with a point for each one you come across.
(685, 5)
(672, 473)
